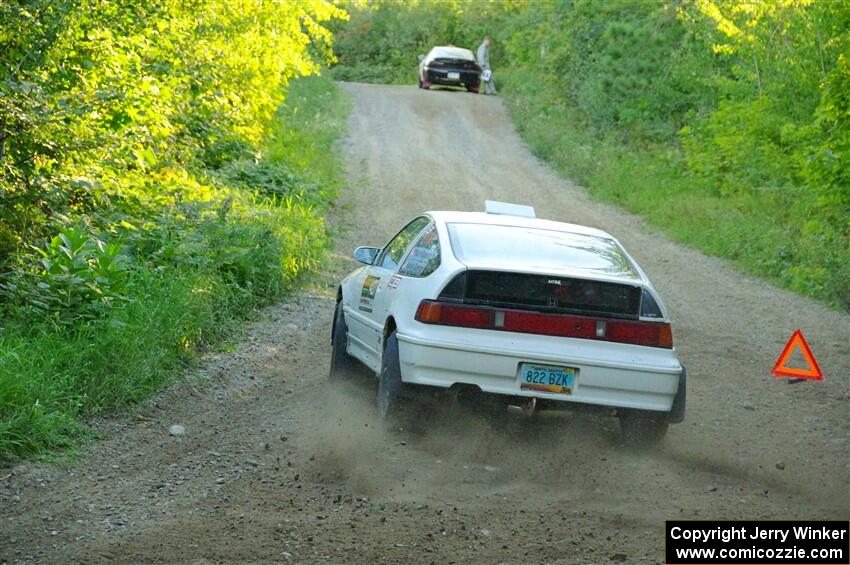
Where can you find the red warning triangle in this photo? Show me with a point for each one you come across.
(813, 371)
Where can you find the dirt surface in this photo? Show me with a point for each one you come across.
(275, 465)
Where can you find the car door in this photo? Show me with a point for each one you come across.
(368, 303)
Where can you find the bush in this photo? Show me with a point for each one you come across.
(143, 205)
(99, 317)
(77, 276)
(112, 107)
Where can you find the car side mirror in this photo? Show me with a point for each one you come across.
(366, 255)
(421, 58)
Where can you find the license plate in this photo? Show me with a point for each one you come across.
(547, 378)
(454, 76)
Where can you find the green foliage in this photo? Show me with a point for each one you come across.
(317, 116)
(126, 307)
(77, 276)
(383, 39)
(145, 200)
(50, 376)
(726, 123)
(742, 146)
(95, 94)
(827, 165)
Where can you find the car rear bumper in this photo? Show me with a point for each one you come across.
(466, 78)
(603, 379)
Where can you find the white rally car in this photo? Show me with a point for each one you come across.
(532, 312)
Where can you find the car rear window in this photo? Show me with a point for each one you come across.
(538, 249)
(452, 53)
(545, 293)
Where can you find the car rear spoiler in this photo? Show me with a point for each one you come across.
(508, 209)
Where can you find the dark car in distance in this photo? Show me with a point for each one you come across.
(449, 66)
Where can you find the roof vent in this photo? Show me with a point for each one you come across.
(508, 209)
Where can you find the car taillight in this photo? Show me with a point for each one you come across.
(429, 312)
(467, 317)
(651, 334)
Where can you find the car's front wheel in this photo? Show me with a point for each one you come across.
(342, 364)
(390, 385)
(642, 428)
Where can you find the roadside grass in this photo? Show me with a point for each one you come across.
(759, 231)
(214, 265)
(315, 113)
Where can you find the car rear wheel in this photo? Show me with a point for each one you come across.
(342, 364)
(390, 385)
(642, 428)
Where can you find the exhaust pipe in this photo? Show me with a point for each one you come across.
(528, 406)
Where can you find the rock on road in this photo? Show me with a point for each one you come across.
(273, 465)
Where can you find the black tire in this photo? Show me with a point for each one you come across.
(642, 428)
(390, 386)
(342, 364)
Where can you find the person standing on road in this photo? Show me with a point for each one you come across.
(483, 57)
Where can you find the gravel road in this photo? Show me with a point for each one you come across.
(274, 465)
